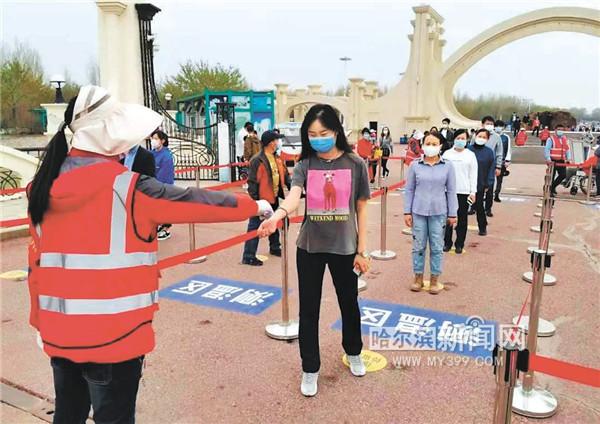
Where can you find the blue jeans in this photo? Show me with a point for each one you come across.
(428, 228)
(251, 246)
(111, 389)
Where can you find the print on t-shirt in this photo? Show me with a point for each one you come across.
(328, 194)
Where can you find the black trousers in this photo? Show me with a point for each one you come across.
(499, 180)
(111, 389)
(462, 222)
(373, 171)
(560, 173)
(311, 268)
(480, 210)
(597, 181)
(489, 199)
(536, 131)
(384, 167)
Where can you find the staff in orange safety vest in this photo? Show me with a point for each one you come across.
(93, 278)
(557, 150)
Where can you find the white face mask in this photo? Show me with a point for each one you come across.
(155, 144)
(489, 127)
(444, 125)
(431, 151)
(498, 129)
(480, 141)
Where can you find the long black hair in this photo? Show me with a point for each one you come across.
(56, 152)
(329, 118)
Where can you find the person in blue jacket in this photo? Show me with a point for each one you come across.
(165, 170)
(486, 175)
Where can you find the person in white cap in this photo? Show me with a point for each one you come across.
(94, 277)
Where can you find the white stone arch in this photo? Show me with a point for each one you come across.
(21, 163)
(338, 103)
(566, 19)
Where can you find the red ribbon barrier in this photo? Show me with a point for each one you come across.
(397, 158)
(226, 185)
(12, 191)
(14, 222)
(195, 168)
(565, 370)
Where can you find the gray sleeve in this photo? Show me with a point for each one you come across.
(154, 188)
(499, 153)
(299, 175)
(363, 192)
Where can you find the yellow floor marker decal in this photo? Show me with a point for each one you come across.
(373, 361)
(262, 258)
(15, 275)
(426, 285)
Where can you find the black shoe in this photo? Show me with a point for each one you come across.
(458, 250)
(497, 199)
(252, 262)
(447, 248)
(471, 212)
(275, 253)
(483, 233)
(489, 214)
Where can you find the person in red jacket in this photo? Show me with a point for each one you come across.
(544, 135)
(365, 149)
(413, 150)
(93, 278)
(535, 126)
(521, 138)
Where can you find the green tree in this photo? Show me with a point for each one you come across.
(22, 86)
(195, 77)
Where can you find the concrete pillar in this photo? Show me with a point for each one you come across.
(55, 114)
(356, 99)
(119, 56)
(372, 89)
(314, 89)
(281, 100)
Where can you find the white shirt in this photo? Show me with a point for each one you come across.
(465, 169)
(239, 142)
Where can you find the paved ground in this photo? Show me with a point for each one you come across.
(211, 365)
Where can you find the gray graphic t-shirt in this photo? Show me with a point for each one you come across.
(332, 189)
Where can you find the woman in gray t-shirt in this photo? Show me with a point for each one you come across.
(334, 233)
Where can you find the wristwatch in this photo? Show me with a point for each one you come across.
(364, 254)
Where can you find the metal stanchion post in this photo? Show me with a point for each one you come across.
(285, 329)
(401, 173)
(192, 230)
(379, 174)
(530, 401)
(508, 361)
(587, 200)
(383, 254)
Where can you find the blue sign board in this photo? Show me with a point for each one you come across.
(401, 327)
(237, 296)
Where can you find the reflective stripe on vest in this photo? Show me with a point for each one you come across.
(559, 152)
(97, 306)
(117, 257)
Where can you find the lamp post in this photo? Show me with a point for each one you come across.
(57, 82)
(345, 59)
(168, 97)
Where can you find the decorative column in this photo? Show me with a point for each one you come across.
(281, 100)
(314, 89)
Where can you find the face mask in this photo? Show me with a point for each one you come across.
(498, 129)
(444, 125)
(480, 141)
(385, 132)
(278, 147)
(367, 136)
(431, 151)
(155, 144)
(460, 143)
(559, 133)
(322, 144)
(489, 127)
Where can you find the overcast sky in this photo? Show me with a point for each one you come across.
(300, 42)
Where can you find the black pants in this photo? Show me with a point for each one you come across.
(515, 130)
(480, 210)
(311, 268)
(597, 181)
(499, 180)
(111, 389)
(560, 173)
(489, 199)
(536, 131)
(374, 171)
(386, 171)
(462, 222)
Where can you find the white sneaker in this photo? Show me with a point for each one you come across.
(309, 383)
(163, 235)
(357, 366)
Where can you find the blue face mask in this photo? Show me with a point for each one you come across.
(460, 143)
(559, 133)
(322, 144)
